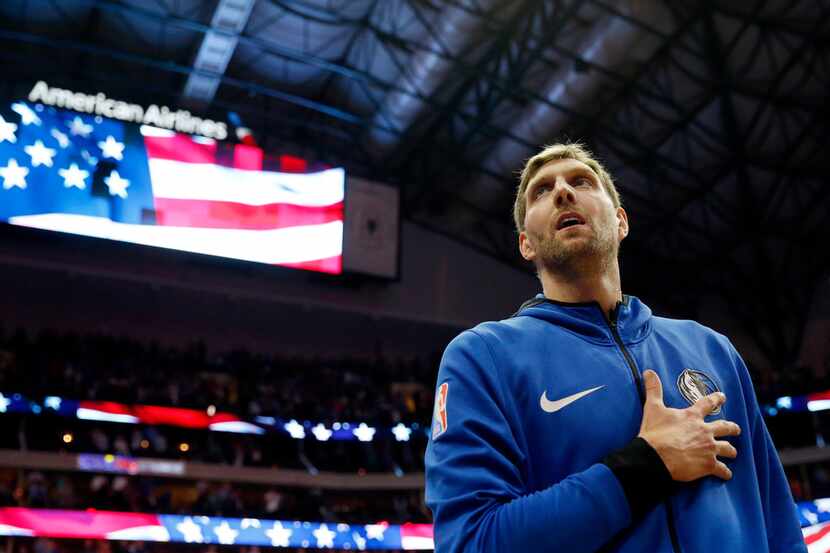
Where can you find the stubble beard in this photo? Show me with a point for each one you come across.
(575, 256)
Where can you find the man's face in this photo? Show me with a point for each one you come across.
(570, 220)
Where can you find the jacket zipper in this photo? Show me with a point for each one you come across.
(612, 324)
(630, 360)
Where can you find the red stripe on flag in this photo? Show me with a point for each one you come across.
(291, 164)
(223, 417)
(173, 416)
(213, 214)
(420, 530)
(247, 157)
(818, 396)
(333, 265)
(818, 535)
(56, 523)
(180, 148)
(106, 407)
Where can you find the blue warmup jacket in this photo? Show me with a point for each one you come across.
(511, 468)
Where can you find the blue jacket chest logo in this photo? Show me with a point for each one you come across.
(694, 385)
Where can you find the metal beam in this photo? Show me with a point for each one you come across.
(295, 55)
(671, 216)
(457, 151)
(172, 67)
(776, 22)
(748, 206)
(216, 50)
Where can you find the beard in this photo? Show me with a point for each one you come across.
(582, 254)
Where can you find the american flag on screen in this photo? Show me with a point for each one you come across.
(76, 173)
(108, 525)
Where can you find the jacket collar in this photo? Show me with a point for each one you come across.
(632, 317)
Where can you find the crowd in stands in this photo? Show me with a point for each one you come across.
(46, 432)
(90, 366)
(372, 388)
(94, 367)
(795, 380)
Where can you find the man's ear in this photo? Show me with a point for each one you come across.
(622, 226)
(526, 247)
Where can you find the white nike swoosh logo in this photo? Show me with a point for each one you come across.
(549, 406)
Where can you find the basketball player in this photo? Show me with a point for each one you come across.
(584, 423)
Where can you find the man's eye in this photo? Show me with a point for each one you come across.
(542, 188)
(583, 181)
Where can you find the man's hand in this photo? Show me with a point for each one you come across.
(683, 440)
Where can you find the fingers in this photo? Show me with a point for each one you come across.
(654, 388)
(724, 428)
(707, 404)
(725, 449)
(722, 471)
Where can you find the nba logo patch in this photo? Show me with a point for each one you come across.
(439, 416)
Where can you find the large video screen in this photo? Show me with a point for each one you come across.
(66, 171)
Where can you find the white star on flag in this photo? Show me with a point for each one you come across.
(279, 536)
(40, 154)
(295, 429)
(226, 534)
(401, 432)
(63, 140)
(14, 175)
(4, 403)
(117, 185)
(811, 517)
(249, 523)
(325, 537)
(359, 540)
(823, 505)
(74, 176)
(112, 148)
(321, 432)
(92, 160)
(7, 131)
(78, 127)
(27, 116)
(52, 402)
(191, 531)
(375, 531)
(364, 432)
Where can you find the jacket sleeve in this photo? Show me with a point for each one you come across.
(475, 476)
(783, 529)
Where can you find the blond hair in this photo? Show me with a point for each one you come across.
(568, 150)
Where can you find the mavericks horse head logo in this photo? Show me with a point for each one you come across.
(694, 385)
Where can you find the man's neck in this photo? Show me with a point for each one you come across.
(601, 286)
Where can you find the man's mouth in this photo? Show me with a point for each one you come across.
(567, 220)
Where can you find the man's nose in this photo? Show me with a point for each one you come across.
(563, 193)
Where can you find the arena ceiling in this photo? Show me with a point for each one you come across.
(711, 115)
